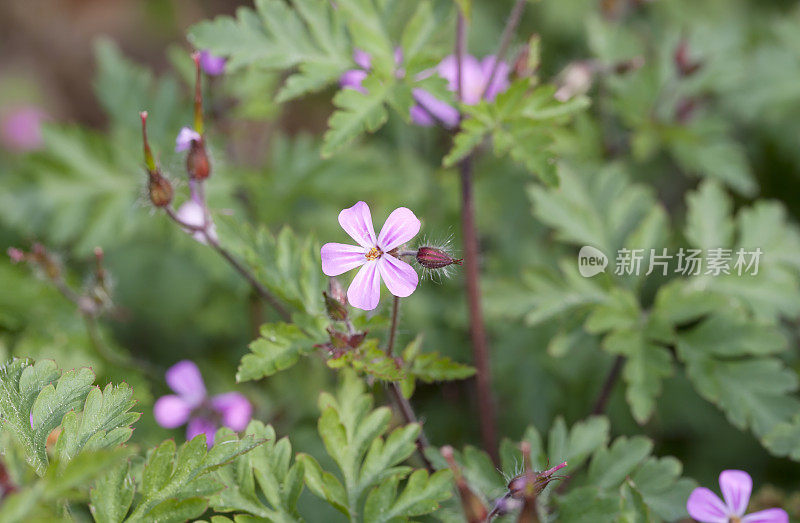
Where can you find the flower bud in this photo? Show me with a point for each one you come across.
(433, 258)
(531, 479)
(197, 163)
(159, 189)
(474, 509)
(335, 300)
(685, 65)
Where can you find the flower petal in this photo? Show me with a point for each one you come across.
(772, 515)
(201, 426)
(338, 258)
(171, 411)
(430, 108)
(365, 290)
(353, 79)
(185, 379)
(400, 227)
(500, 80)
(736, 486)
(236, 410)
(185, 138)
(362, 59)
(705, 506)
(357, 222)
(212, 65)
(400, 278)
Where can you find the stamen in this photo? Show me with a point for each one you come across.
(373, 254)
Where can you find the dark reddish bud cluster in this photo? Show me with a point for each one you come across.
(340, 342)
(158, 186)
(685, 65)
(433, 258)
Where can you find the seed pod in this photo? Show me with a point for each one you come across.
(159, 188)
(433, 258)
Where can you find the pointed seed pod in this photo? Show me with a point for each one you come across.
(433, 258)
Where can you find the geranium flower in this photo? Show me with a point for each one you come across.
(212, 65)
(736, 486)
(353, 78)
(191, 405)
(193, 214)
(474, 79)
(377, 256)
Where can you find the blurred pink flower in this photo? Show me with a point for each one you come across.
(212, 65)
(193, 213)
(373, 254)
(353, 78)
(736, 486)
(191, 405)
(21, 128)
(474, 81)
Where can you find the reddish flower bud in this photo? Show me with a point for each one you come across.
(433, 258)
(518, 486)
(159, 189)
(197, 164)
(474, 509)
(685, 65)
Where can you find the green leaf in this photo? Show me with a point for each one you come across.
(357, 113)
(36, 398)
(708, 218)
(305, 35)
(264, 473)
(421, 495)
(278, 347)
(369, 34)
(112, 495)
(371, 360)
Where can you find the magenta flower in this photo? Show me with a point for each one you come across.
(474, 79)
(191, 404)
(21, 129)
(736, 485)
(377, 256)
(353, 78)
(185, 138)
(212, 65)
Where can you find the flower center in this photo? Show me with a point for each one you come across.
(373, 254)
(735, 519)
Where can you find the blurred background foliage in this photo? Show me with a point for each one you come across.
(91, 66)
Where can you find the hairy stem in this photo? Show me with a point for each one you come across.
(608, 386)
(505, 40)
(480, 346)
(403, 405)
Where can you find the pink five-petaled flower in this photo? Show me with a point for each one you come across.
(736, 485)
(191, 404)
(375, 255)
(475, 76)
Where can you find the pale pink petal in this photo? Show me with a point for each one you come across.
(365, 290)
(736, 486)
(201, 426)
(706, 507)
(429, 109)
(171, 411)
(470, 71)
(185, 379)
(362, 59)
(192, 213)
(338, 258)
(185, 138)
(236, 410)
(500, 80)
(772, 515)
(353, 79)
(400, 278)
(212, 65)
(357, 222)
(400, 227)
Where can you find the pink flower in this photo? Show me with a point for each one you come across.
(193, 213)
(353, 78)
(191, 404)
(185, 138)
(376, 256)
(474, 79)
(736, 485)
(212, 65)
(21, 129)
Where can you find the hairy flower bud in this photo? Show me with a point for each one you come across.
(197, 164)
(433, 258)
(336, 300)
(518, 486)
(160, 189)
